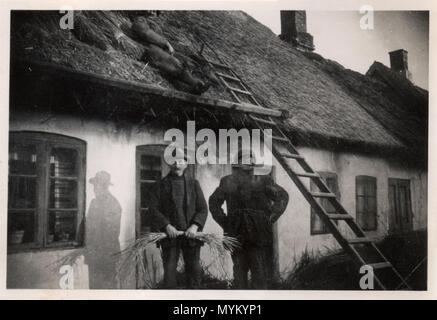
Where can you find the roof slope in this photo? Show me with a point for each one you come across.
(324, 99)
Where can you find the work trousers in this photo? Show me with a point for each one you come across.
(170, 257)
(250, 258)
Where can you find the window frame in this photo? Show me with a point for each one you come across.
(366, 179)
(44, 142)
(324, 175)
(148, 150)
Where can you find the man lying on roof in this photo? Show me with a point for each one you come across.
(159, 53)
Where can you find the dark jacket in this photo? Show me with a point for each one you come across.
(253, 203)
(163, 210)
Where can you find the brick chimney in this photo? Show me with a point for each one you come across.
(399, 63)
(294, 30)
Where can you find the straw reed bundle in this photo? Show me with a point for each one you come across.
(69, 259)
(135, 254)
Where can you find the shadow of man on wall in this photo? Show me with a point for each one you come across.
(102, 232)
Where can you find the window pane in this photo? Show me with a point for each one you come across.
(327, 205)
(360, 219)
(361, 211)
(371, 188)
(360, 204)
(150, 168)
(360, 187)
(408, 203)
(22, 159)
(156, 164)
(21, 227)
(146, 188)
(61, 226)
(365, 221)
(400, 205)
(366, 218)
(22, 192)
(393, 206)
(370, 221)
(371, 205)
(145, 220)
(145, 161)
(316, 223)
(331, 183)
(63, 194)
(150, 162)
(63, 162)
(403, 202)
(150, 175)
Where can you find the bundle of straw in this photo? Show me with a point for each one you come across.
(220, 242)
(69, 259)
(135, 254)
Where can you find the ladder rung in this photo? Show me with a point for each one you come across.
(227, 76)
(323, 194)
(359, 240)
(380, 265)
(291, 156)
(239, 91)
(340, 216)
(308, 174)
(262, 120)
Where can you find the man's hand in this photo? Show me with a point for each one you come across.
(191, 231)
(171, 231)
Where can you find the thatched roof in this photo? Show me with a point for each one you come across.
(325, 100)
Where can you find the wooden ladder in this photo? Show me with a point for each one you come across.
(285, 153)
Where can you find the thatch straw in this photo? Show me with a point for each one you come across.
(69, 260)
(335, 270)
(325, 99)
(135, 253)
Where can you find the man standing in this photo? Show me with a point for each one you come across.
(178, 207)
(253, 204)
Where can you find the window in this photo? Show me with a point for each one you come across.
(366, 207)
(317, 225)
(151, 167)
(401, 216)
(46, 196)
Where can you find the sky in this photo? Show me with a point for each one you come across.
(338, 36)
